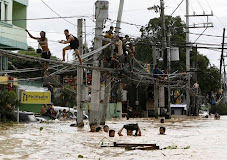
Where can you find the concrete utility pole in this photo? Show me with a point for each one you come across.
(156, 90)
(106, 99)
(108, 82)
(166, 59)
(80, 76)
(222, 51)
(187, 59)
(120, 11)
(101, 11)
(169, 71)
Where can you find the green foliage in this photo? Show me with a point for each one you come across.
(8, 101)
(208, 77)
(220, 108)
(65, 96)
(41, 128)
(209, 80)
(80, 156)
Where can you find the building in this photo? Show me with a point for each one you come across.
(13, 14)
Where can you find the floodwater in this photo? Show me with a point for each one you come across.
(207, 139)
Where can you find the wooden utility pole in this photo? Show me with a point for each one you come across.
(101, 11)
(80, 75)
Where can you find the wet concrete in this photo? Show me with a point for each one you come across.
(207, 139)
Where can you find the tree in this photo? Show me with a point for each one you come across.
(65, 96)
(152, 33)
(209, 80)
(208, 77)
(8, 101)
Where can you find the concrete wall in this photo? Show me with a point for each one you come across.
(113, 110)
(12, 33)
(36, 108)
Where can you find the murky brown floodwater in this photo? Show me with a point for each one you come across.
(207, 139)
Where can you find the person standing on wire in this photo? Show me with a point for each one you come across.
(74, 44)
(43, 42)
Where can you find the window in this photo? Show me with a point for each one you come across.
(0, 11)
(6, 12)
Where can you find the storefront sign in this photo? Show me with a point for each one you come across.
(35, 97)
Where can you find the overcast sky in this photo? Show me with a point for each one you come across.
(135, 11)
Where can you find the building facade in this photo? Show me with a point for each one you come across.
(13, 14)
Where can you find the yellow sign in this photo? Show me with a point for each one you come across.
(5, 80)
(148, 68)
(35, 97)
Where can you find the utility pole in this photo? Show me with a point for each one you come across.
(155, 82)
(222, 50)
(187, 59)
(166, 58)
(169, 71)
(188, 48)
(101, 15)
(120, 11)
(80, 116)
(108, 82)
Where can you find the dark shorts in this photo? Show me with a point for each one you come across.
(74, 45)
(46, 55)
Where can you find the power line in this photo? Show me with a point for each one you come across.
(57, 13)
(177, 7)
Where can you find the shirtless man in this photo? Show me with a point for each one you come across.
(130, 128)
(43, 42)
(74, 44)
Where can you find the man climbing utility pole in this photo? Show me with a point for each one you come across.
(101, 15)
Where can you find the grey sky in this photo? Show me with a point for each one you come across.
(135, 11)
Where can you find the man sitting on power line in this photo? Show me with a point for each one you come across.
(74, 44)
(43, 42)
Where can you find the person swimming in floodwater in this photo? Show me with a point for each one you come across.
(92, 128)
(130, 128)
(98, 129)
(43, 42)
(106, 128)
(162, 130)
(74, 44)
(111, 133)
(162, 120)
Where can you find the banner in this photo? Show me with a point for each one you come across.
(35, 97)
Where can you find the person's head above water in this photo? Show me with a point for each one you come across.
(129, 132)
(111, 133)
(162, 120)
(92, 128)
(66, 32)
(130, 128)
(98, 129)
(162, 130)
(106, 128)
